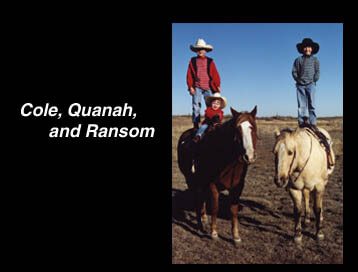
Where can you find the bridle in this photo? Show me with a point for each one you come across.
(238, 143)
(238, 139)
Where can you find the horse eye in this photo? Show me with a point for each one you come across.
(290, 153)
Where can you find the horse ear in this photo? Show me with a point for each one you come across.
(277, 132)
(234, 113)
(253, 112)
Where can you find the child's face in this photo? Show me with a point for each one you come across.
(216, 104)
(307, 50)
(201, 52)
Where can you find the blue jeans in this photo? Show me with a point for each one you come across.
(201, 130)
(306, 99)
(196, 102)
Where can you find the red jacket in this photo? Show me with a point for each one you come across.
(210, 113)
(214, 77)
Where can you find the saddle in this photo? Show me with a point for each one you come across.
(193, 147)
(210, 128)
(314, 131)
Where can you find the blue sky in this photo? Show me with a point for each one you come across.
(255, 61)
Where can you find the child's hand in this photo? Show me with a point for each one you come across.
(216, 118)
(192, 91)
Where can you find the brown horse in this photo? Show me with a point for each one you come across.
(220, 161)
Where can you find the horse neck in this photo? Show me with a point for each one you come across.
(303, 147)
(226, 132)
(223, 137)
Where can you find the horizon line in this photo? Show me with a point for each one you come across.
(267, 116)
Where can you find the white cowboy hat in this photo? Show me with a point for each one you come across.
(201, 44)
(216, 95)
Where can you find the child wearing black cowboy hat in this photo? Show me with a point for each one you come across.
(306, 72)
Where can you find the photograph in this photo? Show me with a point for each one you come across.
(257, 143)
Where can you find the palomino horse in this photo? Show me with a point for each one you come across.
(301, 166)
(221, 162)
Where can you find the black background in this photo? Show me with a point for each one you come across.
(92, 200)
(89, 198)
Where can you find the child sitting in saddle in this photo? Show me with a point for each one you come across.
(213, 114)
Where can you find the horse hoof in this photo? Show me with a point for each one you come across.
(204, 219)
(298, 240)
(320, 236)
(237, 242)
(214, 235)
(225, 192)
(306, 223)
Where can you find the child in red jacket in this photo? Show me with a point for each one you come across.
(202, 78)
(213, 114)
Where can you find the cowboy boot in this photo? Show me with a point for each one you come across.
(196, 139)
(305, 123)
(196, 125)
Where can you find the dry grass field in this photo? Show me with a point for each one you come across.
(265, 211)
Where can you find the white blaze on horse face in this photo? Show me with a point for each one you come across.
(247, 138)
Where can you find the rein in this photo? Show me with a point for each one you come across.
(294, 156)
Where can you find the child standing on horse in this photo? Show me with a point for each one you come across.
(202, 78)
(306, 72)
(213, 114)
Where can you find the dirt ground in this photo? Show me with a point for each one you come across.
(265, 211)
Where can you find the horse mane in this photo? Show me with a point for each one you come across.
(282, 134)
(287, 130)
(224, 127)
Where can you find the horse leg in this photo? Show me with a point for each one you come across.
(234, 209)
(204, 217)
(296, 196)
(201, 209)
(318, 210)
(235, 223)
(215, 209)
(306, 194)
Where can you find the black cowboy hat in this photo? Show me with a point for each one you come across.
(307, 42)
